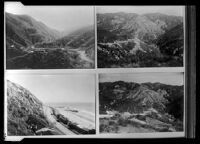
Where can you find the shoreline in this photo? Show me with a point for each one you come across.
(69, 120)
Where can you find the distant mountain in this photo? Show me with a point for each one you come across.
(137, 98)
(25, 112)
(165, 21)
(25, 30)
(124, 26)
(83, 37)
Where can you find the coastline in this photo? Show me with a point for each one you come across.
(70, 121)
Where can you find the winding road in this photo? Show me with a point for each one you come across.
(61, 127)
(82, 55)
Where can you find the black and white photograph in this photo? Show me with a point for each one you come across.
(140, 36)
(49, 37)
(141, 102)
(50, 104)
(99, 71)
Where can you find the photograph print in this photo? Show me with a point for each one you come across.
(141, 103)
(50, 104)
(49, 37)
(140, 36)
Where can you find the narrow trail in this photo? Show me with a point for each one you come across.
(20, 56)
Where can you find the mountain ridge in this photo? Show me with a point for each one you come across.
(28, 29)
(132, 40)
(124, 94)
(120, 20)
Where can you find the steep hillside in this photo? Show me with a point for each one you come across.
(122, 26)
(26, 31)
(135, 98)
(144, 40)
(130, 107)
(26, 116)
(172, 42)
(25, 113)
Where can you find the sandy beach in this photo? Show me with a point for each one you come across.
(82, 119)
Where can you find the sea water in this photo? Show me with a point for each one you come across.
(89, 107)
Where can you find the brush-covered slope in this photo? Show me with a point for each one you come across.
(122, 26)
(132, 40)
(24, 111)
(26, 31)
(172, 42)
(137, 98)
(23, 31)
(43, 60)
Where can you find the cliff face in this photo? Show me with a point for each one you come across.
(24, 111)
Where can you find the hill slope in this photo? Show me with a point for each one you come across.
(23, 31)
(130, 107)
(135, 98)
(129, 25)
(25, 112)
(132, 40)
(26, 31)
(26, 115)
(30, 44)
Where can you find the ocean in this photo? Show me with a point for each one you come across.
(90, 107)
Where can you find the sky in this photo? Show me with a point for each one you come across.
(169, 10)
(62, 88)
(166, 78)
(62, 18)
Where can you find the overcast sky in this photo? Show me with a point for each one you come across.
(61, 18)
(62, 88)
(166, 78)
(169, 10)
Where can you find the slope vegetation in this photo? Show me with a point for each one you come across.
(149, 40)
(144, 107)
(25, 113)
(31, 44)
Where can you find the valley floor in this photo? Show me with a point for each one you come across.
(42, 58)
